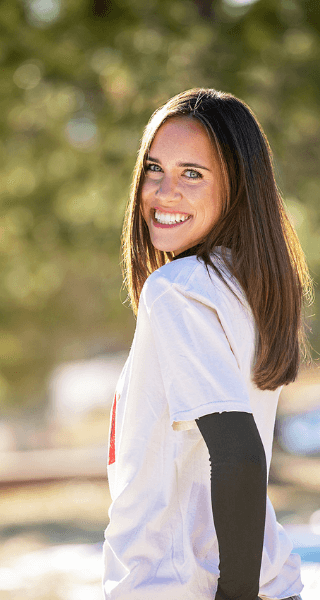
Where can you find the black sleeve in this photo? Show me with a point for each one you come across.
(238, 493)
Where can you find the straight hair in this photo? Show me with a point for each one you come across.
(266, 256)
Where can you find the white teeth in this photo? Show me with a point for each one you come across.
(169, 218)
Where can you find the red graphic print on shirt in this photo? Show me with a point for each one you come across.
(112, 444)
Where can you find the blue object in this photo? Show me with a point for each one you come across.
(300, 433)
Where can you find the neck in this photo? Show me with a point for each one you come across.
(189, 252)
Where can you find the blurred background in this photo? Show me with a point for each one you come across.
(78, 80)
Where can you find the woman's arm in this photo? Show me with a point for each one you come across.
(238, 493)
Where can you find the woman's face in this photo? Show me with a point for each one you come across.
(181, 195)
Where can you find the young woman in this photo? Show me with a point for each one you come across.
(218, 274)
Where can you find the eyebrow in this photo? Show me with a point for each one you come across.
(193, 165)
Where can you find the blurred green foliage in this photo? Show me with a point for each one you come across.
(79, 80)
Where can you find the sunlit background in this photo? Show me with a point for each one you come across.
(79, 80)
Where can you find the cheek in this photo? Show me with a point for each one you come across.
(145, 210)
(143, 199)
(212, 211)
(146, 191)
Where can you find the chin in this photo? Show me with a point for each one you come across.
(163, 247)
(166, 248)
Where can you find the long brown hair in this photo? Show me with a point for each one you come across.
(266, 256)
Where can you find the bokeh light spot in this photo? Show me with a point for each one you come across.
(21, 181)
(43, 12)
(296, 212)
(82, 133)
(147, 41)
(298, 43)
(79, 207)
(27, 76)
(24, 118)
(105, 60)
(240, 2)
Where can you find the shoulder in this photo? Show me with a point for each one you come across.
(175, 275)
(189, 277)
(177, 272)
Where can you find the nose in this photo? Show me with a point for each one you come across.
(167, 190)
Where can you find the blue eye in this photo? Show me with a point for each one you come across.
(153, 168)
(193, 174)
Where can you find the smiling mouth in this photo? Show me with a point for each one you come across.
(164, 218)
